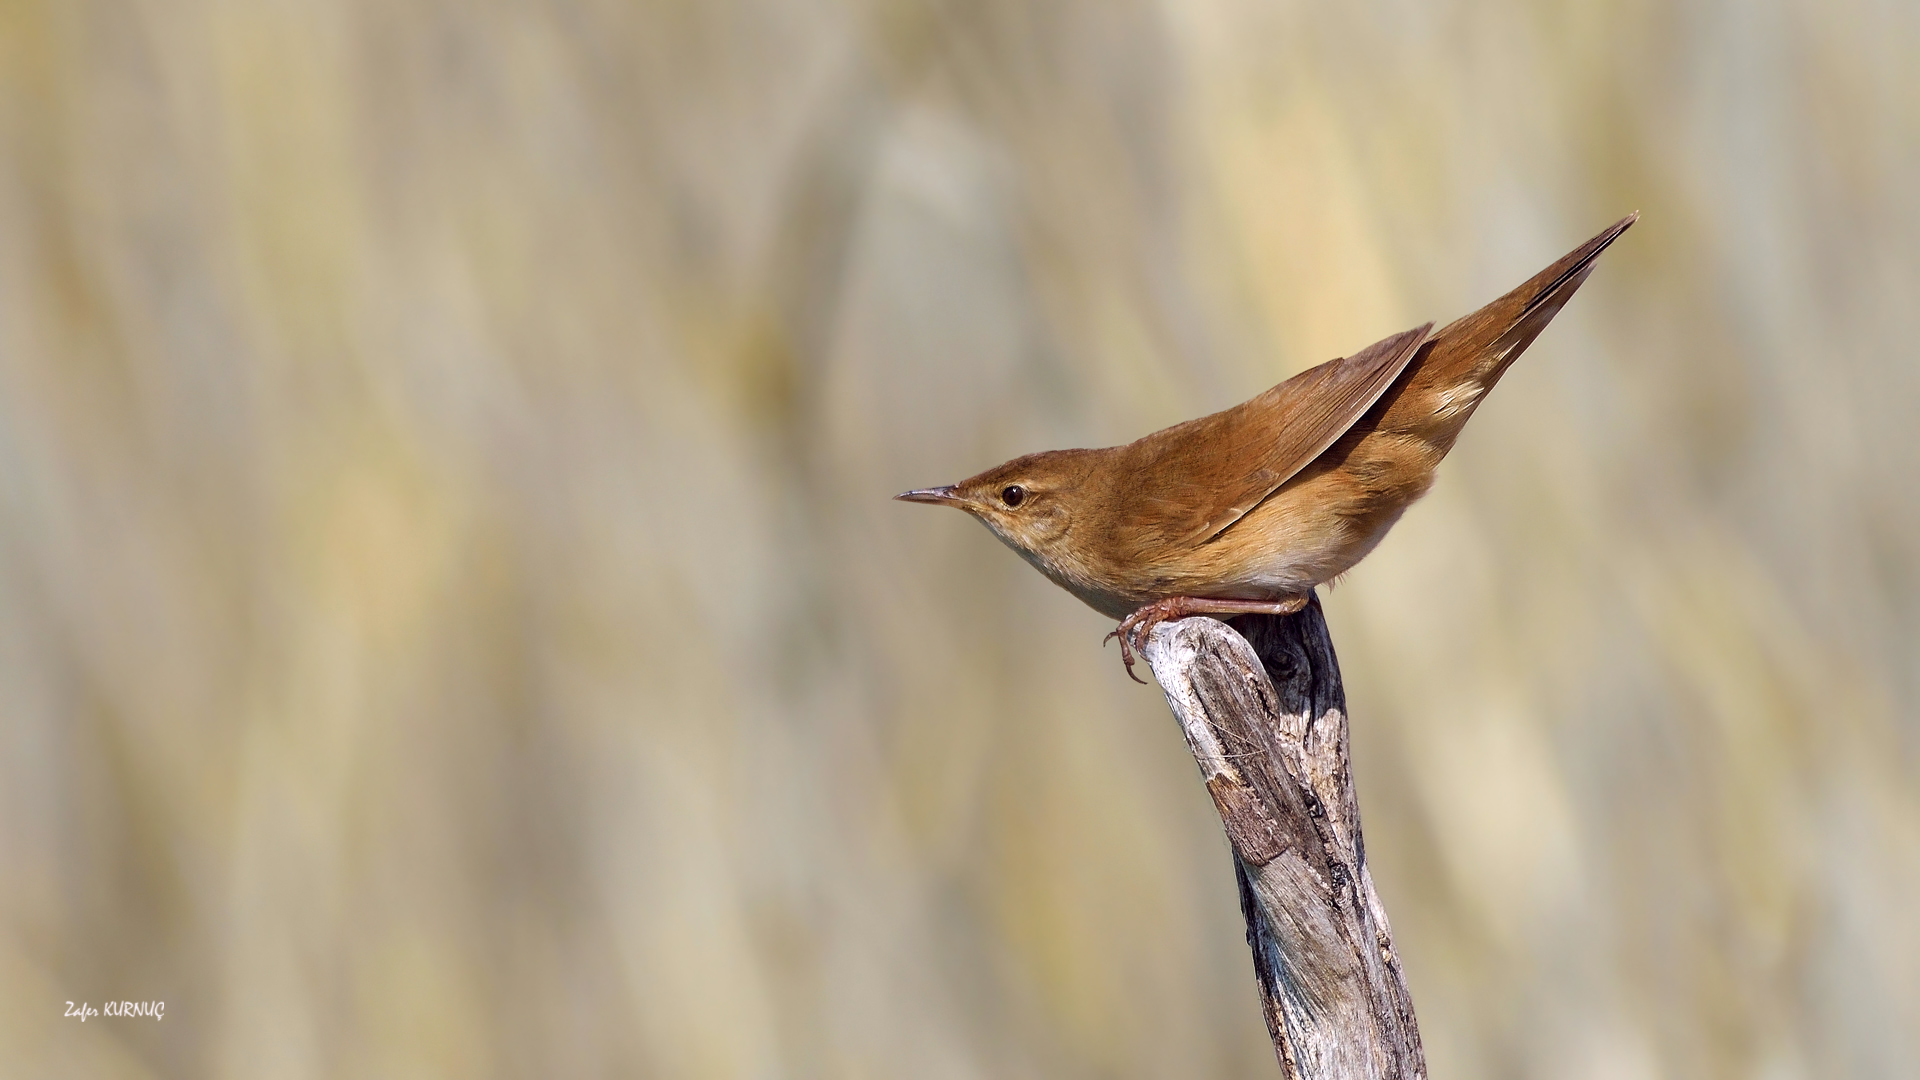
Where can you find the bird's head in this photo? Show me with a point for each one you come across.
(1028, 502)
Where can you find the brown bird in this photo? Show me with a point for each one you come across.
(1249, 509)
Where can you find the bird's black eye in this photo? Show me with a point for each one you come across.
(1014, 495)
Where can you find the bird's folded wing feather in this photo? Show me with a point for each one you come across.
(1248, 451)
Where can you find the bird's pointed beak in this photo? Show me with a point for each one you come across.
(939, 496)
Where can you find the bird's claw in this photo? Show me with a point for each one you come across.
(1126, 648)
(1135, 628)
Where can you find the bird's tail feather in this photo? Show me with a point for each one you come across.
(1464, 359)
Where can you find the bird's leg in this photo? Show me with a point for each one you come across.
(1133, 629)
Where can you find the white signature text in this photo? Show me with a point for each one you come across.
(117, 1008)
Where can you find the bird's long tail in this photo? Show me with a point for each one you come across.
(1454, 370)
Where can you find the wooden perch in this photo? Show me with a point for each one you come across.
(1266, 719)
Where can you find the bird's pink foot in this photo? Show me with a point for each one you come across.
(1133, 629)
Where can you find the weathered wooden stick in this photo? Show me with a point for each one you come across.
(1266, 719)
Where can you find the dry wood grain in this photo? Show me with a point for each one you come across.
(1265, 717)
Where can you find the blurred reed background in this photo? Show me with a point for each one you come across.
(452, 622)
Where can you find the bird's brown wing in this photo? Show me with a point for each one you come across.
(1194, 479)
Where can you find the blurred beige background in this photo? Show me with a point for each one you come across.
(452, 622)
